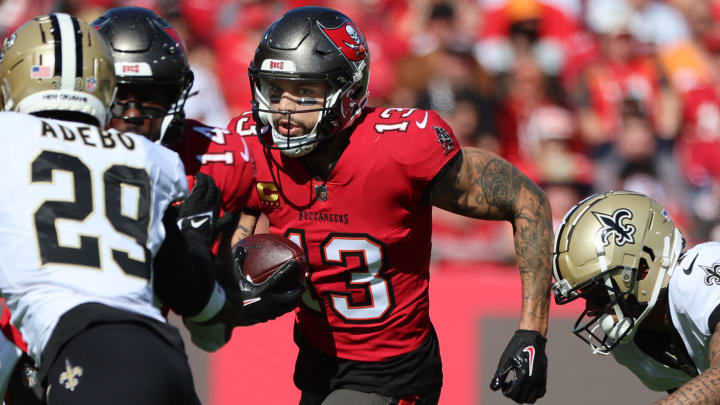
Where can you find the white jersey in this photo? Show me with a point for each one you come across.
(693, 294)
(80, 220)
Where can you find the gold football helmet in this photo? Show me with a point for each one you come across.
(617, 251)
(57, 62)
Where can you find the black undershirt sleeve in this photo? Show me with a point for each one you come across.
(251, 211)
(438, 176)
(714, 319)
(184, 275)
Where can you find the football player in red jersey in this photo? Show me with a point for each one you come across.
(354, 186)
(154, 79)
(93, 304)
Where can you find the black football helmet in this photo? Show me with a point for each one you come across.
(313, 44)
(147, 50)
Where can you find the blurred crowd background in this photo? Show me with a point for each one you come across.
(581, 95)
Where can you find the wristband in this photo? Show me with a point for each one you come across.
(214, 305)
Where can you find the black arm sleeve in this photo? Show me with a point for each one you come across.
(184, 276)
(714, 319)
(438, 176)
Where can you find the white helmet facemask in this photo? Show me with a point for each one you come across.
(621, 330)
(293, 146)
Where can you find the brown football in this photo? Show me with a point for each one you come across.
(266, 254)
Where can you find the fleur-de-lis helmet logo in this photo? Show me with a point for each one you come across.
(613, 226)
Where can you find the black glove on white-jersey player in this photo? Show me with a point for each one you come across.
(525, 355)
(199, 212)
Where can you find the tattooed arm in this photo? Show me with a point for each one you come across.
(705, 388)
(479, 184)
(245, 227)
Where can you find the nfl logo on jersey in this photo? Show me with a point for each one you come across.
(321, 192)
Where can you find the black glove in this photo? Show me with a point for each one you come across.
(255, 303)
(199, 212)
(525, 354)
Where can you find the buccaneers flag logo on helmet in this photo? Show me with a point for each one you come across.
(348, 40)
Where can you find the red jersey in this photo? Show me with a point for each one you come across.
(9, 330)
(608, 84)
(554, 22)
(699, 146)
(224, 156)
(365, 230)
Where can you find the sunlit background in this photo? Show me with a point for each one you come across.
(581, 95)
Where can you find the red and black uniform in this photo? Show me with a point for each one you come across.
(364, 323)
(224, 156)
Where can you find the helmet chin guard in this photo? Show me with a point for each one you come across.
(292, 146)
(295, 146)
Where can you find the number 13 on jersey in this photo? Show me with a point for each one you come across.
(367, 295)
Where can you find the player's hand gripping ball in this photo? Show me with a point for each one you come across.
(265, 254)
(270, 276)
